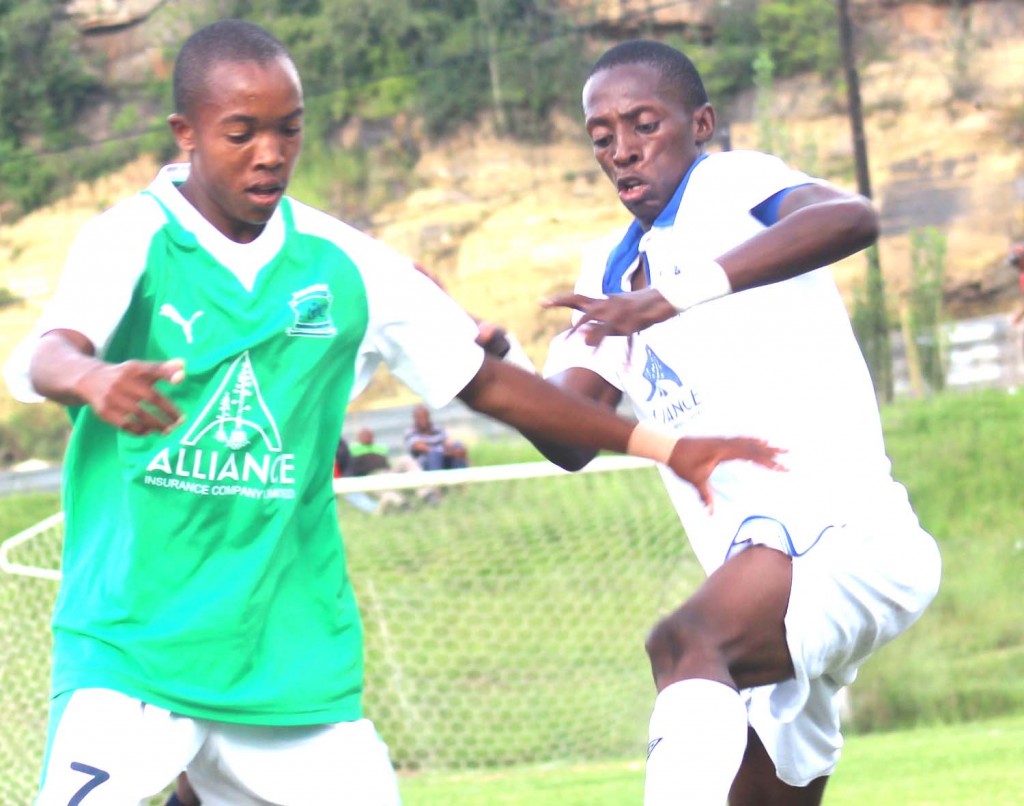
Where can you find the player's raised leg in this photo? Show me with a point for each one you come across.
(730, 634)
(757, 783)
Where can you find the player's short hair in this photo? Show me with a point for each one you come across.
(221, 41)
(676, 70)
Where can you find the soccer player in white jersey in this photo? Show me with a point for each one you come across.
(206, 337)
(711, 315)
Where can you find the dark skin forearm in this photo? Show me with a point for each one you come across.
(62, 361)
(815, 229)
(818, 225)
(554, 417)
(65, 369)
(542, 411)
(587, 384)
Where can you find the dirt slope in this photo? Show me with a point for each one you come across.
(505, 224)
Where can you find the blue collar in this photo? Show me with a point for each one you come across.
(628, 250)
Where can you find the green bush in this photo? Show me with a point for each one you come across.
(801, 35)
(9, 298)
(34, 432)
(928, 272)
(44, 86)
(870, 320)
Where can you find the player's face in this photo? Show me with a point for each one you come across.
(644, 137)
(242, 138)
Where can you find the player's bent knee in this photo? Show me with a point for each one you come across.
(680, 645)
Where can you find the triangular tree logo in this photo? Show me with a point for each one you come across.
(236, 414)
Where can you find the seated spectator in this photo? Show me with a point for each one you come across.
(343, 462)
(430, 446)
(342, 459)
(368, 456)
(1016, 259)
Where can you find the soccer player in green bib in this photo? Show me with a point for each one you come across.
(206, 337)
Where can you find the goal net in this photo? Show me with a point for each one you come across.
(505, 611)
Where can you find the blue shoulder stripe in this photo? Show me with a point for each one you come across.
(767, 212)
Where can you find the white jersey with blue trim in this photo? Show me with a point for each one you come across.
(778, 362)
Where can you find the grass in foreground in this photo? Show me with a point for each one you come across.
(969, 763)
(505, 627)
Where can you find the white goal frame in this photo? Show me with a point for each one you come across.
(359, 484)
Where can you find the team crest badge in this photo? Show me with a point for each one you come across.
(312, 309)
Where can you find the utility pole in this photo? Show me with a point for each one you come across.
(493, 68)
(856, 108)
(871, 319)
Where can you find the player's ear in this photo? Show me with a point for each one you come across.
(703, 123)
(183, 131)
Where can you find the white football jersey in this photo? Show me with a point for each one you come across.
(778, 362)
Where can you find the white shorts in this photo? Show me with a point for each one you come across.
(111, 750)
(853, 591)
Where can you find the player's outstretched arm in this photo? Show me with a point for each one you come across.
(818, 225)
(65, 369)
(590, 386)
(539, 409)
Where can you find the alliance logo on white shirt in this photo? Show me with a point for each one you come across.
(669, 400)
(232, 448)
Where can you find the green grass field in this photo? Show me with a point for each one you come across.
(504, 630)
(969, 763)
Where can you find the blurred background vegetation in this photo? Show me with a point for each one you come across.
(435, 64)
(449, 128)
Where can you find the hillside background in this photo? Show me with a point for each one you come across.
(501, 207)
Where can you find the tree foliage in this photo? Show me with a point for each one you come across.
(800, 35)
(797, 35)
(44, 86)
(441, 63)
(446, 60)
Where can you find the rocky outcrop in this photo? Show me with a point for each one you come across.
(97, 15)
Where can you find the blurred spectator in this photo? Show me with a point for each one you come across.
(343, 467)
(1016, 259)
(430, 445)
(368, 455)
(342, 459)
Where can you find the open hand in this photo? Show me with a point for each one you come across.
(125, 395)
(694, 458)
(619, 315)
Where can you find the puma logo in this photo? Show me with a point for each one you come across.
(171, 313)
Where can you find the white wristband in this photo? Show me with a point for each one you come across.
(696, 283)
(650, 443)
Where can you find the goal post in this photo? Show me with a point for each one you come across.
(504, 616)
(29, 568)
